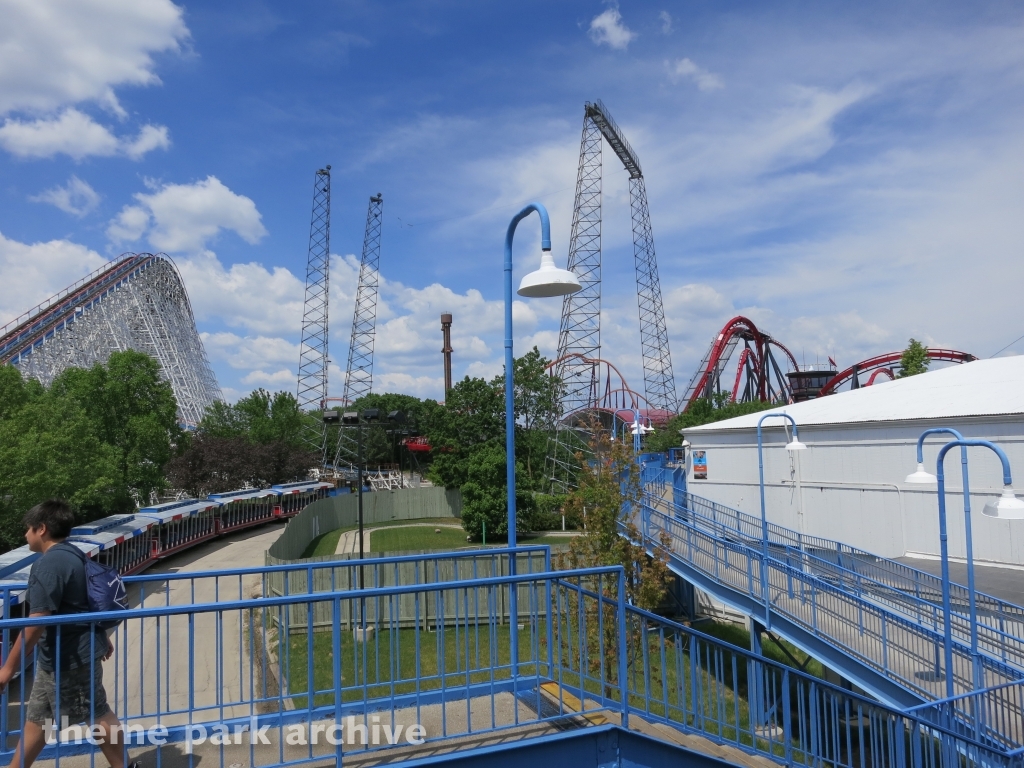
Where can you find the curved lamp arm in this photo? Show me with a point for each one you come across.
(1007, 478)
(934, 431)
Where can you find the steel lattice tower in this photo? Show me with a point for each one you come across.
(137, 301)
(659, 380)
(313, 350)
(359, 373)
(580, 329)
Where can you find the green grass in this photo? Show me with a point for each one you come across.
(327, 543)
(387, 665)
(737, 635)
(419, 535)
(388, 662)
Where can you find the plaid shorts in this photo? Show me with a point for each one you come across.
(82, 697)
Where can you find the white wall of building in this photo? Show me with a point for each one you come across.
(853, 487)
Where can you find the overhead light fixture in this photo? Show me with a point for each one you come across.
(350, 417)
(549, 280)
(371, 414)
(1006, 507)
(922, 477)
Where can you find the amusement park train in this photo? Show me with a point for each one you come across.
(131, 543)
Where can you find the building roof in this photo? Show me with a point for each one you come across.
(982, 388)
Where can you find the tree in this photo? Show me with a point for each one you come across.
(535, 395)
(914, 360)
(49, 448)
(133, 409)
(608, 499)
(255, 442)
(473, 415)
(485, 494)
(381, 439)
(701, 411)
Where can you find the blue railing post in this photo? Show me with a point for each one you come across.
(623, 649)
(336, 650)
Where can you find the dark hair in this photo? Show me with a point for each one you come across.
(55, 514)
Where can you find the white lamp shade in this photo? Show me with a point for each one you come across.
(921, 477)
(796, 445)
(1006, 507)
(549, 280)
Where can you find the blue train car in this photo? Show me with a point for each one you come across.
(125, 541)
(181, 524)
(245, 508)
(13, 584)
(295, 496)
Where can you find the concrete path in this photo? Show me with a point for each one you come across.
(348, 543)
(165, 665)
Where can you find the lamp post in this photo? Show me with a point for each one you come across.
(637, 429)
(1006, 507)
(548, 281)
(793, 445)
(921, 476)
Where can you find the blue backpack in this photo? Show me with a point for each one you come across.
(105, 589)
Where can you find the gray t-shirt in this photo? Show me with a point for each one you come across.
(57, 584)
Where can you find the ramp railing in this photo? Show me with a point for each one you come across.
(228, 682)
(902, 650)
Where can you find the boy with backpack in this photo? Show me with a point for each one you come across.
(58, 584)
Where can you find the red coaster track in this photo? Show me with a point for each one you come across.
(764, 379)
(880, 363)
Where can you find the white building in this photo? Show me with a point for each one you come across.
(861, 445)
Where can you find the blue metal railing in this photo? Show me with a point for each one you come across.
(583, 654)
(902, 650)
(994, 612)
(1000, 631)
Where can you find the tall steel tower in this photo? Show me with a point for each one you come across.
(312, 386)
(580, 329)
(359, 373)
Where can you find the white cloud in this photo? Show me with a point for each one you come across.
(666, 22)
(704, 80)
(245, 296)
(55, 53)
(281, 379)
(129, 225)
(76, 197)
(607, 28)
(150, 137)
(34, 272)
(250, 352)
(183, 218)
(77, 135)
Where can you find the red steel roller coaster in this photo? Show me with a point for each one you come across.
(760, 377)
(758, 368)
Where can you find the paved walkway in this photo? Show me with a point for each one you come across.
(170, 664)
(1005, 583)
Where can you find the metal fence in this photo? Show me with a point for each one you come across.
(904, 650)
(342, 511)
(1003, 621)
(219, 681)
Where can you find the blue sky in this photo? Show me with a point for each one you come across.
(846, 175)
